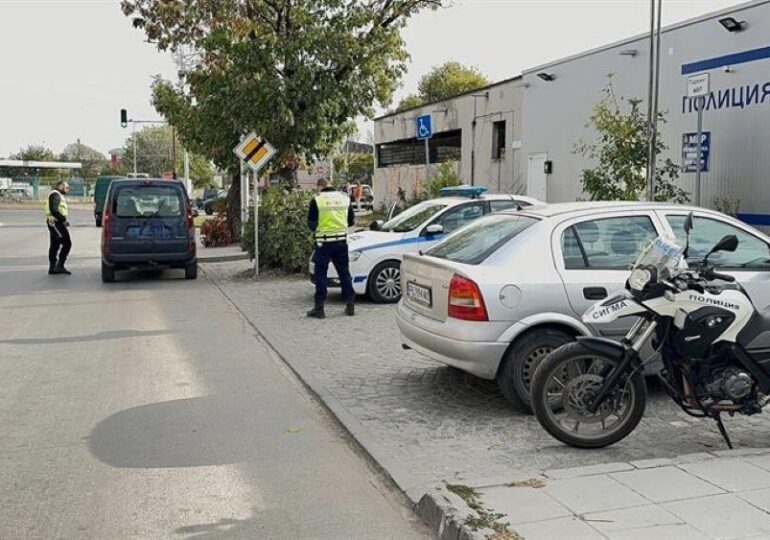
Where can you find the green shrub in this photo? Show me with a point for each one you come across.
(285, 242)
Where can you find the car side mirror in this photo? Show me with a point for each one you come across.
(376, 225)
(434, 229)
(727, 243)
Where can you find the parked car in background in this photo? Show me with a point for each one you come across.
(496, 297)
(208, 193)
(147, 224)
(101, 186)
(375, 255)
(208, 204)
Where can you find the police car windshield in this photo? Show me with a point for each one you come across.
(413, 217)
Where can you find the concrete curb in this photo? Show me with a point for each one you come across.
(223, 258)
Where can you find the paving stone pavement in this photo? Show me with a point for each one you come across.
(436, 424)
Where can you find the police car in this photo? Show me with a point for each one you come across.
(375, 255)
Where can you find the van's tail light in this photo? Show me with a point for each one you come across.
(190, 220)
(106, 229)
(465, 300)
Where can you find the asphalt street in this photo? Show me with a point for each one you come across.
(149, 408)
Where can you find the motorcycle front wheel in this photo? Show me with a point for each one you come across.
(564, 385)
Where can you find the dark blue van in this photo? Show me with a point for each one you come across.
(147, 224)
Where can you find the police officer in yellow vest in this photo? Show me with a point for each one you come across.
(329, 216)
(56, 212)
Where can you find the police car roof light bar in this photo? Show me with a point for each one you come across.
(474, 192)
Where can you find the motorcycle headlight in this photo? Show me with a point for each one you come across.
(639, 278)
(354, 256)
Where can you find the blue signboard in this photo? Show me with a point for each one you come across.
(690, 151)
(424, 127)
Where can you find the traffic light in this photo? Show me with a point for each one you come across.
(123, 118)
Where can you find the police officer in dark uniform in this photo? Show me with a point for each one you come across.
(329, 216)
(56, 214)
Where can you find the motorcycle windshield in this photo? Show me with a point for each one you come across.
(663, 254)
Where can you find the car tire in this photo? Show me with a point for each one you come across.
(191, 270)
(108, 273)
(98, 222)
(521, 361)
(208, 210)
(384, 285)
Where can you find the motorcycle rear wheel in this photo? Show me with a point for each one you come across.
(573, 372)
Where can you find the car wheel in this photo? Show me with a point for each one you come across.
(385, 282)
(191, 270)
(98, 222)
(208, 210)
(521, 361)
(108, 273)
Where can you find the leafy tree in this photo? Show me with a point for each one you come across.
(446, 80)
(295, 71)
(621, 152)
(92, 160)
(154, 155)
(354, 167)
(33, 152)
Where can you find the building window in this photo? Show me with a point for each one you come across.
(498, 140)
(446, 146)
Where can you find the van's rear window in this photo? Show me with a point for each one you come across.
(148, 201)
(481, 238)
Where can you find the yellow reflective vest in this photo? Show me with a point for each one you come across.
(332, 216)
(63, 209)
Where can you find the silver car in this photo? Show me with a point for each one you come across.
(494, 298)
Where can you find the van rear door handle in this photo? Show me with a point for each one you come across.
(594, 293)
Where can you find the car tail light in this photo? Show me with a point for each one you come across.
(190, 223)
(106, 229)
(465, 300)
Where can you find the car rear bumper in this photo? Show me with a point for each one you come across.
(480, 358)
(148, 259)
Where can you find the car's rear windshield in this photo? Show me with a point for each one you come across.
(474, 243)
(148, 201)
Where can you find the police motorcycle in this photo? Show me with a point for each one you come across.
(713, 344)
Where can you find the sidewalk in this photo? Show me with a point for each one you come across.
(719, 495)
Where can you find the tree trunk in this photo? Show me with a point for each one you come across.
(234, 206)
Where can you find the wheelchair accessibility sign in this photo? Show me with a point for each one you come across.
(424, 128)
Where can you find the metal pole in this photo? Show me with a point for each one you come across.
(701, 104)
(651, 82)
(187, 181)
(256, 224)
(473, 144)
(173, 152)
(244, 197)
(653, 162)
(427, 160)
(133, 136)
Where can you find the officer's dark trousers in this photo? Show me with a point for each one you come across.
(60, 243)
(337, 254)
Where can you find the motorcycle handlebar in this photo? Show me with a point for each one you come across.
(716, 275)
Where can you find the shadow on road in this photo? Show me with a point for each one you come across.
(99, 336)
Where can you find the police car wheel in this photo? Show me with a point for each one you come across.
(385, 283)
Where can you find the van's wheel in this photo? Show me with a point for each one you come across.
(108, 273)
(384, 285)
(521, 361)
(191, 270)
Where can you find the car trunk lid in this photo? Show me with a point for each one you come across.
(425, 284)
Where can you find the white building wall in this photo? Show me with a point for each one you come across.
(499, 175)
(738, 115)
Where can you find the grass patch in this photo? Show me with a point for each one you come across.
(531, 483)
(484, 518)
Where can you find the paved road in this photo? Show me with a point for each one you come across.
(127, 410)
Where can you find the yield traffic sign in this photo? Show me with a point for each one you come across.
(255, 151)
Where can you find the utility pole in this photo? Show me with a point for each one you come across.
(652, 97)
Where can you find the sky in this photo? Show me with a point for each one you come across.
(67, 67)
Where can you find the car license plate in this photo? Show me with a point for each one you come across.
(418, 294)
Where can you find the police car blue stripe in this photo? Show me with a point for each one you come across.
(359, 279)
(402, 242)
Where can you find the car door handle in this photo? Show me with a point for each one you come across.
(594, 293)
